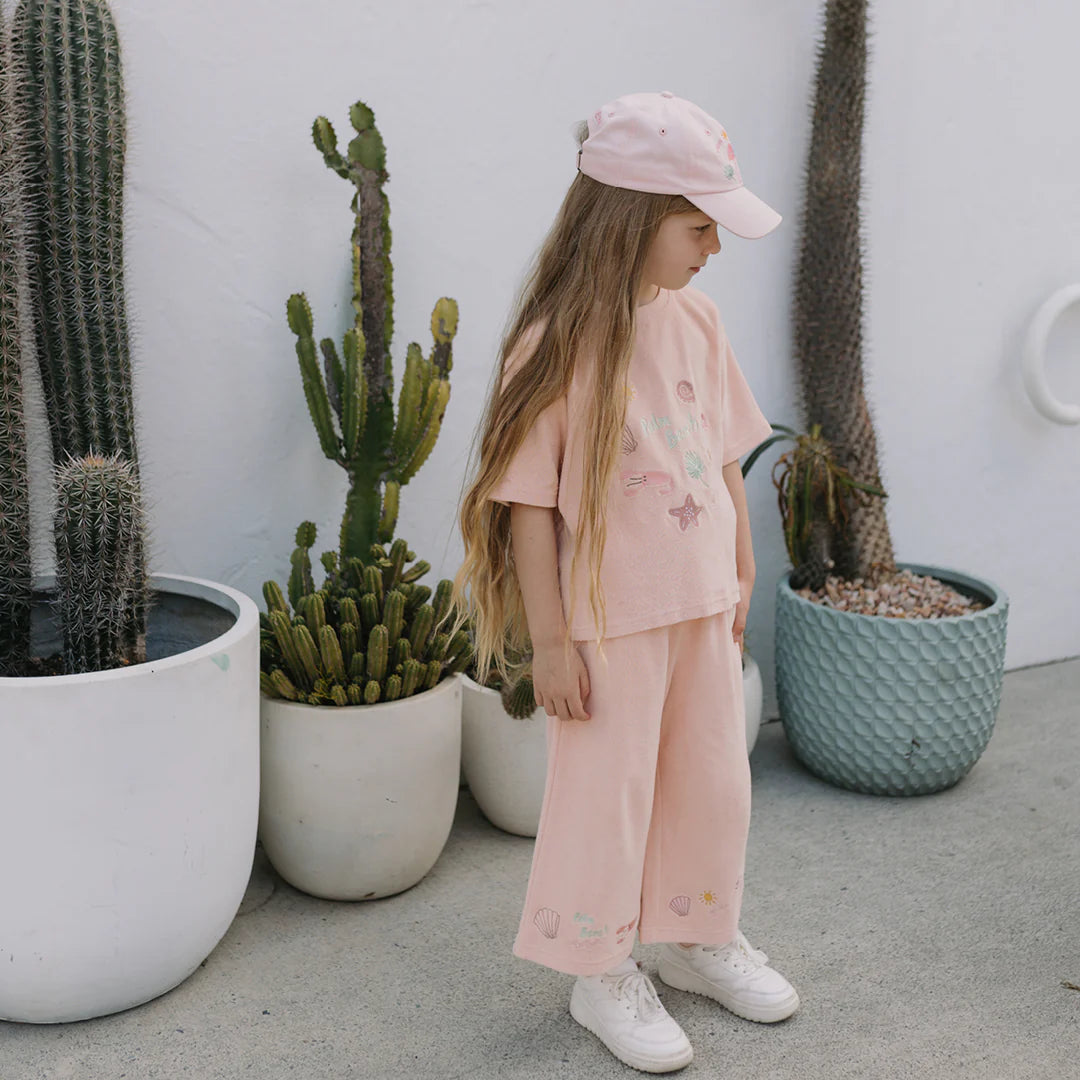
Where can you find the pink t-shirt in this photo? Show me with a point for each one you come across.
(670, 552)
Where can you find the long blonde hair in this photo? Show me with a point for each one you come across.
(582, 290)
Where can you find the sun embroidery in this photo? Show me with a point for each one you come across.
(631, 391)
(687, 513)
(708, 897)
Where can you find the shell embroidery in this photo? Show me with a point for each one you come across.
(680, 905)
(629, 443)
(685, 392)
(546, 921)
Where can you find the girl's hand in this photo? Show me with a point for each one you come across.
(746, 587)
(559, 686)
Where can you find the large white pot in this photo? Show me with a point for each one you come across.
(357, 801)
(504, 761)
(753, 694)
(130, 802)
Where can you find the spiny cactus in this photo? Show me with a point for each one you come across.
(70, 94)
(378, 454)
(73, 100)
(828, 296)
(99, 579)
(16, 581)
(519, 698)
(364, 637)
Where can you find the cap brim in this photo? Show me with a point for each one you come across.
(739, 211)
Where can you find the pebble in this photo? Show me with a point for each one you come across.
(903, 595)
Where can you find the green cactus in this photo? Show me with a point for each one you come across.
(378, 453)
(97, 524)
(70, 96)
(519, 699)
(347, 643)
(16, 578)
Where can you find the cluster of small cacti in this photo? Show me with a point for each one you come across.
(64, 124)
(368, 635)
(378, 453)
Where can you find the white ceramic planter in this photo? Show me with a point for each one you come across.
(504, 761)
(753, 694)
(130, 802)
(357, 802)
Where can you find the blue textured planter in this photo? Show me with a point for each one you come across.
(890, 706)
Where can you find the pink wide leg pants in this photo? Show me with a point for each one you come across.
(646, 806)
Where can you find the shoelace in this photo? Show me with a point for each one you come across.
(637, 988)
(740, 945)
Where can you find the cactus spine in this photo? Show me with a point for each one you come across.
(72, 98)
(16, 579)
(379, 454)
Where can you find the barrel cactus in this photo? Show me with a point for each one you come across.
(378, 453)
(367, 635)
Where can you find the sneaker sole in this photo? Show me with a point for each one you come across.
(692, 983)
(586, 1016)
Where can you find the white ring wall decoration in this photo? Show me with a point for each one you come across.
(1034, 358)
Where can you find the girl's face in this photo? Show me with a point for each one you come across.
(681, 247)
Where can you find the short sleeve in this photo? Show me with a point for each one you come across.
(743, 424)
(532, 476)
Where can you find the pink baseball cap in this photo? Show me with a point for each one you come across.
(667, 145)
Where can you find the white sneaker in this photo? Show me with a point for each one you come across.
(735, 975)
(622, 1010)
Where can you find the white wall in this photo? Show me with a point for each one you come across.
(970, 212)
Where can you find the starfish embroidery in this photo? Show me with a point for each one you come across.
(687, 513)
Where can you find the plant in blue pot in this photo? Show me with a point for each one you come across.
(888, 675)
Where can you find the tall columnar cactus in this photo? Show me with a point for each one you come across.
(364, 637)
(15, 570)
(378, 454)
(71, 96)
(828, 299)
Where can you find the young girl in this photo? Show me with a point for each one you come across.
(609, 466)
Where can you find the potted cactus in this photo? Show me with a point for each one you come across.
(888, 675)
(128, 702)
(361, 693)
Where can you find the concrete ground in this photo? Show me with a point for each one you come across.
(928, 937)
